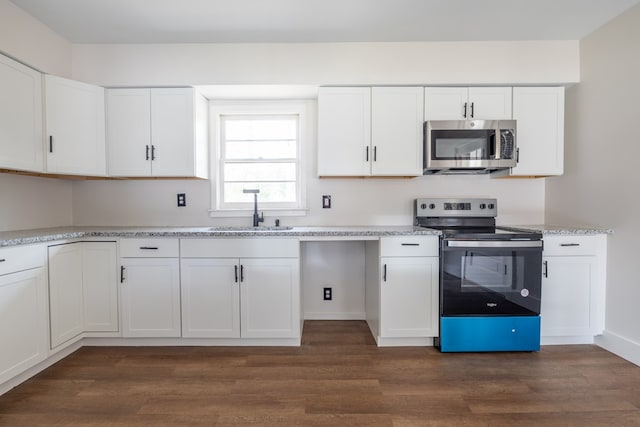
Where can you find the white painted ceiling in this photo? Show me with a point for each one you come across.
(242, 21)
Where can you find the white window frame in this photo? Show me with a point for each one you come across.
(271, 107)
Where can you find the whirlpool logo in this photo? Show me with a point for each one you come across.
(492, 304)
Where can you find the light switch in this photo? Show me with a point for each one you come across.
(326, 202)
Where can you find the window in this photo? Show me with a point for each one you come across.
(259, 145)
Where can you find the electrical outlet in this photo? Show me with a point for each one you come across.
(326, 202)
(327, 294)
(182, 200)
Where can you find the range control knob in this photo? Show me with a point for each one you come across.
(423, 206)
(491, 206)
(432, 206)
(482, 206)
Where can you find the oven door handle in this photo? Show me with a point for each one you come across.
(494, 243)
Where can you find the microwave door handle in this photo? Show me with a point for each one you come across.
(492, 146)
(497, 138)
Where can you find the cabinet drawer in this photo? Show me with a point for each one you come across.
(409, 246)
(149, 248)
(574, 245)
(18, 258)
(263, 247)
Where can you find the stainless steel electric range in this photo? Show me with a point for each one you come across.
(490, 277)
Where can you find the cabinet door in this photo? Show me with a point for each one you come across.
(66, 303)
(396, 130)
(23, 323)
(344, 131)
(75, 127)
(539, 112)
(270, 298)
(446, 103)
(172, 132)
(567, 289)
(409, 297)
(490, 103)
(129, 131)
(150, 297)
(100, 287)
(20, 117)
(210, 298)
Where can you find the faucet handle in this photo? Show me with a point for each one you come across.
(261, 217)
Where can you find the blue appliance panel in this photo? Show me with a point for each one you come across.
(504, 333)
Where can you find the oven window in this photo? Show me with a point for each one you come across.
(461, 145)
(478, 281)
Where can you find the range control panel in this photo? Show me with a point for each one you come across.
(456, 208)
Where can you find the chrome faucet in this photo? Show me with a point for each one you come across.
(257, 219)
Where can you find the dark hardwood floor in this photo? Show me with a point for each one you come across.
(338, 377)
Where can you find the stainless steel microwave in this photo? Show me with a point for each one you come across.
(469, 146)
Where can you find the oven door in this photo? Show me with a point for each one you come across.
(489, 278)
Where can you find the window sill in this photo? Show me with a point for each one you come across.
(242, 213)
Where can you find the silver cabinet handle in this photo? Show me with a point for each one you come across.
(384, 273)
(410, 244)
(569, 244)
(149, 248)
(545, 269)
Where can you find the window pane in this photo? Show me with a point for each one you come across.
(270, 192)
(251, 172)
(261, 150)
(260, 129)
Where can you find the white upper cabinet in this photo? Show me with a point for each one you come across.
(344, 131)
(370, 131)
(20, 117)
(129, 131)
(473, 103)
(157, 132)
(396, 130)
(539, 115)
(75, 130)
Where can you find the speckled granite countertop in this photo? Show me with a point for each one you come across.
(22, 237)
(561, 230)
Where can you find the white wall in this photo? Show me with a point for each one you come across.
(31, 42)
(355, 201)
(601, 168)
(29, 202)
(524, 62)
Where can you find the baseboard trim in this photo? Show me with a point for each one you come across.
(570, 340)
(620, 346)
(335, 316)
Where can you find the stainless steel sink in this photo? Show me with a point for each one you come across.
(233, 229)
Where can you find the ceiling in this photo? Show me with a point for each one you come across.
(290, 21)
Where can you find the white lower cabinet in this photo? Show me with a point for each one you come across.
(573, 286)
(100, 286)
(402, 289)
(409, 297)
(23, 309)
(257, 296)
(210, 298)
(65, 292)
(83, 294)
(150, 297)
(150, 287)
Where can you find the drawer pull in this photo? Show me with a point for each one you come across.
(569, 244)
(2, 260)
(150, 248)
(410, 244)
(384, 274)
